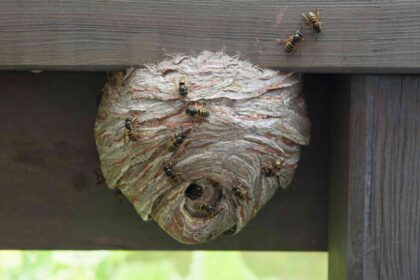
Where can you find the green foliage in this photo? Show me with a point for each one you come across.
(161, 265)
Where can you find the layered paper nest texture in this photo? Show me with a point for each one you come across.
(203, 159)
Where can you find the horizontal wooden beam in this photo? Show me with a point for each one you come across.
(50, 198)
(359, 36)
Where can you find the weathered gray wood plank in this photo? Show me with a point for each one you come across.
(380, 202)
(359, 36)
(50, 199)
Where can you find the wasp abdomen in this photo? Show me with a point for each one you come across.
(131, 136)
(192, 111)
(203, 113)
(289, 47)
(312, 18)
(172, 147)
(204, 207)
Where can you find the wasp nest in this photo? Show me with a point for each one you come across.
(199, 144)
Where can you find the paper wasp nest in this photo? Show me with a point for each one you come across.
(200, 144)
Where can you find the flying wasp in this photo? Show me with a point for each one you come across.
(129, 129)
(271, 169)
(178, 140)
(204, 207)
(197, 111)
(290, 43)
(313, 19)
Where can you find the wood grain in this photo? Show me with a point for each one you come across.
(338, 180)
(382, 178)
(359, 36)
(50, 198)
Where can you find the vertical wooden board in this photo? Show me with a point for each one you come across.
(358, 170)
(382, 239)
(393, 247)
(338, 179)
(50, 199)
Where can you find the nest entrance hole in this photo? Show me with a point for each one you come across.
(194, 191)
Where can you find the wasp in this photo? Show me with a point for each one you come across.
(182, 88)
(167, 168)
(129, 129)
(239, 192)
(178, 140)
(197, 111)
(290, 42)
(204, 207)
(313, 19)
(271, 169)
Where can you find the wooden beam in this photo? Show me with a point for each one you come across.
(49, 195)
(375, 194)
(338, 181)
(359, 36)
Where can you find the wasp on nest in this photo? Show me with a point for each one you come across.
(205, 152)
